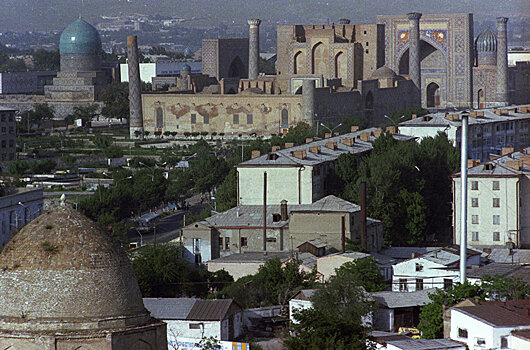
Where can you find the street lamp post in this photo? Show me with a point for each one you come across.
(392, 120)
(331, 130)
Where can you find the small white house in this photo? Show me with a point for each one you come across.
(193, 318)
(489, 325)
(434, 269)
(301, 301)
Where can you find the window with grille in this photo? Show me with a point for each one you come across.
(474, 185)
(403, 285)
(474, 202)
(419, 283)
(496, 202)
(496, 219)
(235, 119)
(474, 219)
(462, 333)
(495, 185)
(474, 236)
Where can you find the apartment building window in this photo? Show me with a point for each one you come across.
(367, 51)
(496, 219)
(206, 119)
(250, 119)
(462, 333)
(271, 240)
(3, 143)
(448, 283)
(474, 236)
(227, 243)
(403, 285)
(481, 342)
(419, 283)
(220, 243)
(235, 119)
(194, 326)
(496, 202)
(244, 241)
(193, 118)
(474, 219)
(474, 202)
(419, 267)
(474, 185)
(4, 130)
(495, 185)
(496, 236)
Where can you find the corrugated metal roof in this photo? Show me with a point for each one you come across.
(169, 308)
(425, 344)
(286, 158)
(210, 310)
(252, 215)
(394, 300)
(507, 256)
(517, 271)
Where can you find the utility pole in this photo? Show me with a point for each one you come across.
(463, 198)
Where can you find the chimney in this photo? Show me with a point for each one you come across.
(289, 144)
(275, 148)
(364, 136)
(343, 233)
(354, 128)
(414, 116)
(494, 156)
(331, 145)
(507, 150)
(472, 162)
(392, 130)
(336, 134)
(255, 154)
(283, 210)
(363, 215)
(327, 135)
(348, 141)
(299, 153)
(314, 149)
(526, 160)
(308, 140)
(377, 133)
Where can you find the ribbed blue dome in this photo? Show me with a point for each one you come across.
(487, 41)
(80, 37)
(185, 68)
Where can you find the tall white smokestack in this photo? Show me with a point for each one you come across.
(463, 199)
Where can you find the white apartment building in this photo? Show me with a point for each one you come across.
(489, 129)
(498, 202)
(490, 325)
(298, 174)
(8, 134)
(435, 269)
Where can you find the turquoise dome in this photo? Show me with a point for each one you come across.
(185, 68)
(486, 41)
(80, 37)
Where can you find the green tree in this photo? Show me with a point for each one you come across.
(505, 288)
(113, 152)
(17, 167)
(102, 141)
(208, 171)
(416, 219)
(274, 284)
(162, 272)
(335, 320)
(431, 316)
(364, 272)
(298, 134)
(85, 113)
(46, 60)
(226, 194)
(116, 99)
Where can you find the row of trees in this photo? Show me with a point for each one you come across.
(408, 185)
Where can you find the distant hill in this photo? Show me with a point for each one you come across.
(21, 15)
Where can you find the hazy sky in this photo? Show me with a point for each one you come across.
(56, 14)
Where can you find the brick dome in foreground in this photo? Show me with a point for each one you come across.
(61, 271)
